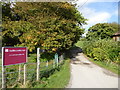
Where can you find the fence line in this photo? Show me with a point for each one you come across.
(10, 78)
(13, 72)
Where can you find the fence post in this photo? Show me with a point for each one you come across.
(38, 64)
(3, 77)
(3, 71)
(19, 74)
(56, 58)
(61, 58)
(24, 73)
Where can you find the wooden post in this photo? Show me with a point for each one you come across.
(38, 64)
(19, 74)
(3, 71)
(24, 73)
(61, 58)
(3, 77)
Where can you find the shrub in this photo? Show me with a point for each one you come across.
(103, 50)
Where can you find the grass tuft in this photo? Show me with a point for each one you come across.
(59, 79)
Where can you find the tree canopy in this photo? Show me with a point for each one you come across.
(100, 31)
(48, 25)
(115, 25)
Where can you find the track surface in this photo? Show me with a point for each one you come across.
(85, 74)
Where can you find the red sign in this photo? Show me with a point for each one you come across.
(14, 55)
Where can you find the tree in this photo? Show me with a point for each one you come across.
(46, 25)
(115, 25)
(100, 31)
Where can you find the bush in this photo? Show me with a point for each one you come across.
(102, 50)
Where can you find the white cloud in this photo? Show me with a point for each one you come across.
(87, 12)
(116, 12)
(94, 16)
(82, 2)
(99, 17)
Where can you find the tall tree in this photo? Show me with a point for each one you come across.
(100, 31)
(49, 25)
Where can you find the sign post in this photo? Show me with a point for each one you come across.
(3, 71)
(38, 64)
(19, 74)
(3, 77)
(24, 73)
(12, 56)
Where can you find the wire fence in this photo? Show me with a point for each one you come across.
(14, 75)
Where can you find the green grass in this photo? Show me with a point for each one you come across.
(50, 77)
(57, 80)
(111, 67)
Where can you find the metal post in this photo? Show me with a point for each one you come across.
(3, 71)
(56, 58)
(38, 64)
(24, 73)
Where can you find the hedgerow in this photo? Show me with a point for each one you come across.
(103, 50)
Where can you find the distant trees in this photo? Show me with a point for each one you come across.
(49, 25)
(99, 45)
(100, 31)
(115, 25)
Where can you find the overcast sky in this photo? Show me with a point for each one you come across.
(98, 11)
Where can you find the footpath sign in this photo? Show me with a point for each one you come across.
(14, 55)
(11, 56)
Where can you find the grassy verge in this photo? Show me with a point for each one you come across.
(111, 67)
(57, 80)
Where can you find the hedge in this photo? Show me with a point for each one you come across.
(103, 50)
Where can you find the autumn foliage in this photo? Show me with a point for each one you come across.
(48, 25)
